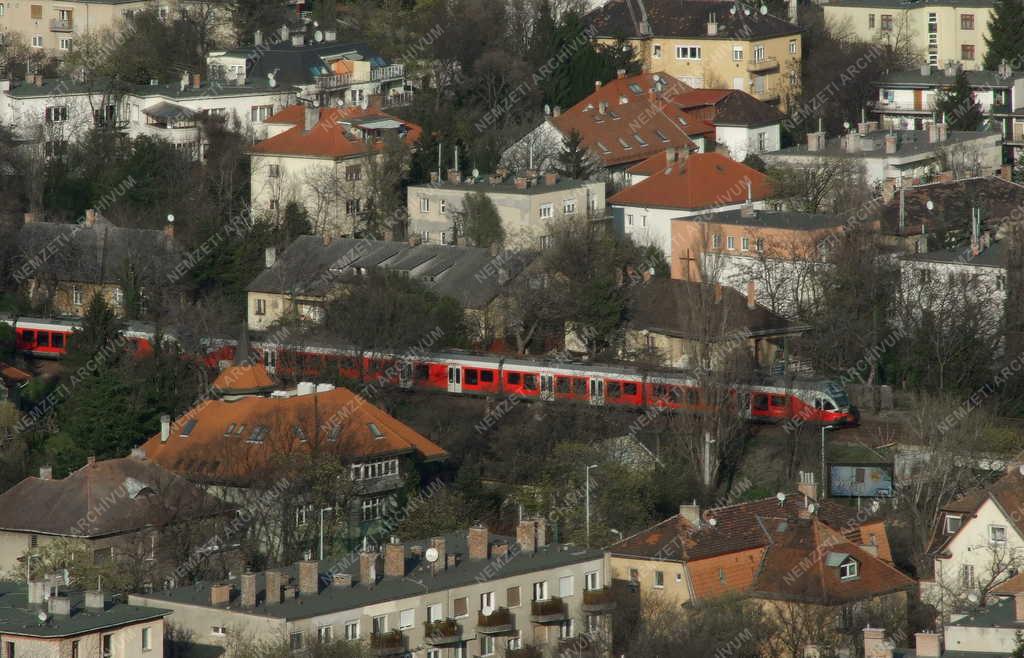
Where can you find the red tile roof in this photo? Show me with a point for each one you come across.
(701, 180)
(329, 138)
(633, 108)
(241, 440)
(12, 374)
(241, 379)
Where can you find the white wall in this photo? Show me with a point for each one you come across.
(742, 141)
(653, 226)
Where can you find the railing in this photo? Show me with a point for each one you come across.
(499, 621)
(342, 80)
(893, 106)
(390, 72)
(552, 609)
(389, 643)
(444, 631)
(598, 600)
(763, 64)
(61, 25)
(766, 93)
(525, 652)
(397, 100)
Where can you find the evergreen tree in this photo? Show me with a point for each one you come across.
(481, 222)
(957, 105)
(574, 160)
(1005, 27)
(1018, 169)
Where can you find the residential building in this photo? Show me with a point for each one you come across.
(153, 506)
(684, 324)
(63, 266)
(990, 631)
(312, 272)
(320, 158)
(13, 379)
(43, 621)
(236, 441)
(461, 594)
(899, 154)
(700, 184)
(978, 268)
(623, 122)
(528, 205)
(708, 44)
(743, 125)
(936, 31)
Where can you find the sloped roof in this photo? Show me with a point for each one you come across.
(133, 493)
(330, 137)
(699, 181)
(640, 105)
(13, 374)
(238, 441)
(739, 108)
(685, 18)
(238, 379)
(998, 199)
(1007, 493)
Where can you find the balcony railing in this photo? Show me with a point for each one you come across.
(498, 622)
(763, 64)
(342, 80)
(445, 631)
(598, 600)
(397, 100)
(892, 106)
(765, 93)
(61, 25)
(551, 610)
(385, 73)
(391, 643)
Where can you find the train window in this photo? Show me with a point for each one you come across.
(530, 382)
(486, 376)
(44, 339)
(28, 336)
(760, 401)
(817, 403)
(778, 401)
(562, 385)
(421, 371)
(828, 406)
(513, 378)
(614, 389)
(629, 388)
(472, 376)
(58, 340)
(677, 393)
(579, 386)
(691, 395)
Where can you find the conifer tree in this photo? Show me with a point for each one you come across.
(957, 105)
(1005, 28)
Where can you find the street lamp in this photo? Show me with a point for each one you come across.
(826, 427)
(322, 510)
(588, 501)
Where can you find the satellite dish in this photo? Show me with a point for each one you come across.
(431, 555)
(846, 124)
(170, 219)
(476, 173)
(487, 611)
(316, 23)
(318, 36)
(42, 616)
(1021, 469)
(811, 508)
(746, 12)
(712, 522)
(732, 10)
(972, 597)
(781, 497)
(930, 205)
(764, 10)
(271, 80)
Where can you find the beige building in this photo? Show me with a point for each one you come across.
(463, 594)
(705, 44)
(937, 31)
(527, 205)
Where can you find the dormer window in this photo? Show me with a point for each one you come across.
(953, 523)
(848, 569)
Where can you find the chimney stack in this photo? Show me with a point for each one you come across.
(36, 591)
(691, 513)
(394, 560)
(165, 428)
(718, 292)
(597, 85)
(248, 583)
(309, 577)
(751, 295)
(441, 563)
(526, 536)
(816, 141)
(270, 257)
(298, 40)
(257, 38)
(478, 541)
(454, 177)
(521, 183)
(274, 582)
(197, 80)
(875, 644)
(368, 568)
(45, 472)
(95, 600)
(551, 178)
(929, 645)
(620, 74)
(220, 594)
(890, 144)
(29, 217)
(541, 531)
(311, 117)
(60, 606)
(169, 230)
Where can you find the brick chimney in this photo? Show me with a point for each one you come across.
(526, 535)
(718, 292)
(248, 583)
(368, 568)
(45, 472)
(929, 645)
(620, 74)
(751, 295)
(520, 183)
(551, 178)
(29, 217)
(197, 81)
(691, 513)
(439, 565)
(394, 560)
(309, 577)
(275, 579)
(597, 85)
(541, 531)
(220, 594)
(169, 230)
(165, 428)
(500, 549)
(875, 644)
(816, 141)
(454, 177)
(60, 606)
(478, 541)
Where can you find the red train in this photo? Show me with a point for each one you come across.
(619, 385)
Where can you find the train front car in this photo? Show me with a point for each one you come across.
(828, 404)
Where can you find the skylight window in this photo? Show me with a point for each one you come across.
(299, 433)
(258, 434)
(604, 149)
(682, 120)
(661, 135)
(614, 115)
(639, 140)
(230, 430)
(626, 145)
(189, 426)
(635, 88)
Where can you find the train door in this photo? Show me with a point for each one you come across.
(547, 388)
(454, 379)
(596, 391)
(405, 374)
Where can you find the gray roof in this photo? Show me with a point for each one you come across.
(308, 267)
(417, 582)
(506, 186)
(938, 78)
(685, 18)
(909, 142)
(783, 219)
(295, 65)
(18, 617)
(998, 615)
(995, 256)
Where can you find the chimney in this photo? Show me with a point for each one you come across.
(751, 295)
(60, 606)
(367, 568)
(45, 472)
(691, 513)
(90, 460)
(718, 292)
(875, 644)
(500, 549)
(165, 428)
(926, 70)
(816, 141)
(478, 540)
(943, 130)
(551, 178)
(248, 581)
(975, 231)
(520, 183)
(311, 117)
(452, 561)
(197, 80)
(29, 217)
(620, 74)
(220, 594)
(285, 33)
(394, 560)
(933, 132)
(274, 581)
(929, 645)
(541, 530)
(95, 600)
(557, 112)
(945, 177)
(36, 591)
(257, 38)
(852, 142)
(270, 257)
(747, 210)
(169, 230)
(807, 486)
(454, 177)
(309, 577)
(438, 565)
(1005, 172)
(597, 85)
(526, 536)
(890, 144)
(90, 217)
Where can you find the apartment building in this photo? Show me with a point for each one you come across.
(708, 44)
(462, 594)
(937, 31)
(53, 25)
(528, 205)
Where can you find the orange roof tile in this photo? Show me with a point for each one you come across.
(249, 378)
(732, 572)
(12, 374)
(701, 180)
(239, 441)
(329, 138)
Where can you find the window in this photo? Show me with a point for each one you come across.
(486, 645)
(997, 534)
(626, 146)
(592, 580)
(260, 112)
(759, 245)
(374, 507)
(716, 241)
(460, 608)
(380, 625)
(540, 591)
(325, 634)
(487, 600)
(512, 597)
(730, 243)
(629, 220)
(352, 206)
(516, 642)
(353, 172)
(634, 575)
(9, 649)
(36, 11)
(759, 53)
(273, 171)
(792, 46)
(569, 206)
(886, 23)
(547, 211)
(406, 619)
(1, 9)
(434, 612)
(643, 220)
(967, 52)
(565, 629)
(657, 50)
(352, 630)
(848, 569)
(593, 624)
(953, 523)
(37, 41)
(737, 53)
(967, 575)
(565, 586)
(74, 649)
(107, 645)
(744, 243)
(966, 21)
(433, 653)
(687, 52)
(261, 307)
(659, 579)
(218, 631)
(76, 295)
(762, 142)
(639, 140)
(64, 43)
(57, 114)
(871, 21)
(274, 204)
(147, 639)
(443, 206)
(295, 640)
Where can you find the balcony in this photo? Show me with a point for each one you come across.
(499, 622)
(62, 25)
(598, 600)
(392, 643)
(891, 106)
(387, 73)
(549, 611)
(445, 631)
(763, 64)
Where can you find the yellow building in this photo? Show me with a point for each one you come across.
(937, 31)
(707, 44)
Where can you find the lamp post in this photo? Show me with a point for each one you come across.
(588, 501)
(322, 510)
(826, 427)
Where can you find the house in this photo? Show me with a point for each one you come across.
(320, 158)
(743, 124)
(152, 506)
(979, 268)
(991, 631)
(936, 31)
(708, 44)
(622, 123)
(527, 205)
(311, 272)
(14, 379)
(683, 185)
(679, 323)
(65, 265)
(899, 154)
(233, 442)
(460, 594)
(43, 621)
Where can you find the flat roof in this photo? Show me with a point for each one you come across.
(19, 617)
